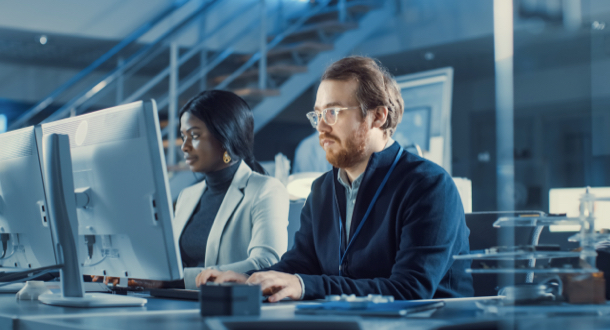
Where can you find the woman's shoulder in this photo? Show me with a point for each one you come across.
(259, 181)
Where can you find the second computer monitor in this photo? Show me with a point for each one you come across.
(123, 201)
(25, 233)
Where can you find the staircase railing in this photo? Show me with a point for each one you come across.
(167, 42)
(78, 104)
(135, 35)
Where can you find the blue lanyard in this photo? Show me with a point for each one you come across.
(366, 215)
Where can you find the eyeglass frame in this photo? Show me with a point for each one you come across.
(322, 114)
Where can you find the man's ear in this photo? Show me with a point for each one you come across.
(380, 116)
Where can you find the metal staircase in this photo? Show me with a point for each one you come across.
(287, 62)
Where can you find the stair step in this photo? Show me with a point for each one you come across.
(353, 7)
(282, 70)
(300, 47)
(256, 93)
(304, 47)
(332, 26)
(178, 143)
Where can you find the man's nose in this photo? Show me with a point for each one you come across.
(323, 127)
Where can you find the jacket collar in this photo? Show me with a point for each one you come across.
(230, 202)
(379, 164)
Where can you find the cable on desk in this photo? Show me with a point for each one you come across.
(27, 278)
(18, 276)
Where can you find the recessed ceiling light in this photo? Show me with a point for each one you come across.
(43, 39)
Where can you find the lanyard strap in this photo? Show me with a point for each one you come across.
(366, 215)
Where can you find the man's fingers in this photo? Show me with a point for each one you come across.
(279, 295)
(259, 277)
(271, 286)
(272, 283)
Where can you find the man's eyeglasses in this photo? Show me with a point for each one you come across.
(329, 115)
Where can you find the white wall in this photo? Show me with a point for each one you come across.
(105, 19)
(115, 19)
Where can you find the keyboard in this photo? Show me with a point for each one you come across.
(175, 294)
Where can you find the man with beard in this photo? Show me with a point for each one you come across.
(383, 221)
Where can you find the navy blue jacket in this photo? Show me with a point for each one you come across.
(404, 248)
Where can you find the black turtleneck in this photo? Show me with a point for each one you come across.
(195, 235)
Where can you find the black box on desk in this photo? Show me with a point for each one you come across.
(230, 300)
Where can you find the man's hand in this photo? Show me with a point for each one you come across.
(217, 276)
(278, 285)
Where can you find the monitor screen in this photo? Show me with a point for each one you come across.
(25, 232)
(567, 200)
(414, 128)
(3, 123)
(123, 203)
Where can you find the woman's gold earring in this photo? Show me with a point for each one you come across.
(226, 158)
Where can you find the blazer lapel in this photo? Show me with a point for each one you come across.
(188, 202)
(230, 202)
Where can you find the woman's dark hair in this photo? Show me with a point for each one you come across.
(229, 118)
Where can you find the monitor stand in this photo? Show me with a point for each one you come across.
(59, 185)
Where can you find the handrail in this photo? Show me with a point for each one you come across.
(191, 79)
(134, 59)
(161, 75)
(273, 43)
(96, 64)
(187, 82)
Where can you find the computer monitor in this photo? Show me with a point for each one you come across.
(427, 117)
(3, 123)
(25, 233)
(415, 127)
(122, 198)
(567, 200)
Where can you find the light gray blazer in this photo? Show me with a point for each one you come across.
(250, 228)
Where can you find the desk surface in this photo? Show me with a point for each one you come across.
(179, 314)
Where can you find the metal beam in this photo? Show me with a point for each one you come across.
(173, 104)
(262, 64)
(503, 53)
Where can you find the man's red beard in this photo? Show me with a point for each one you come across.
(354, 149)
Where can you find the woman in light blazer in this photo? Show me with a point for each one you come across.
(237, 218)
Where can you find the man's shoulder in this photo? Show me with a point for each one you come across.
(323, 184)
(415, 168)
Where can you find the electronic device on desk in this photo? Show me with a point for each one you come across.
(226, 299)
(25, 233)
(106, 179)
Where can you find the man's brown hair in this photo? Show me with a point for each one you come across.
(376, 87)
